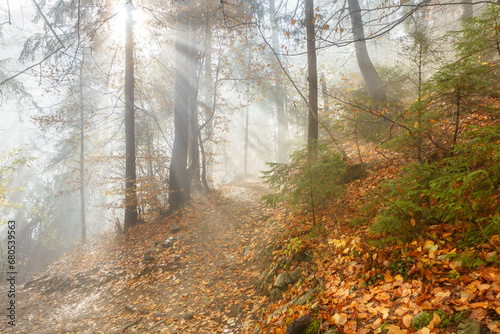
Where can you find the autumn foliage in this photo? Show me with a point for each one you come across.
(413, 246)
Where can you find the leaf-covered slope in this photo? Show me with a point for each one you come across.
(367, 283)
(202, 283)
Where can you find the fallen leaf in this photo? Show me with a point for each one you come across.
(340, 319)
(407, 320)
(436, 320)
(495, 328)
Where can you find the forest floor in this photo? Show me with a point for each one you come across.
(216, 255)
(203, 283)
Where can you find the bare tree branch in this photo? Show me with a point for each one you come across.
(32, 66)
(47, 23)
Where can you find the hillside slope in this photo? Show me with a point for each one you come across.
(199, 279)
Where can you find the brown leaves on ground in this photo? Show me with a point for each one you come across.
(204, 283)
(369, 289)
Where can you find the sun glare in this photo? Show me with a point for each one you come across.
(120, 18)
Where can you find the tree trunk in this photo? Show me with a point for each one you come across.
(194, 168)
(82, 155)
(370, 76)
(467, 9)
(209, 91)
(324, 90)
(178, 179)
(278, 92)
(312, 78)
(130, 172)
(194, 175)
(457, 117)
(247, 111)
(204, 181)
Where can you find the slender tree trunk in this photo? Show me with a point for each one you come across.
(278, 92)
(247, 112)
(206, 187)
(194, 175)
(209, 86)
(457, 116)
(312, 77)
(151, 175)
(247, 109)
(467, 9)
(130, 172)
(82, 155)
(370, 76)
(194, 168)
(419, 100)
(324, 90)
(178, 180)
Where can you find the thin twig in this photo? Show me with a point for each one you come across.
(32, 66)
(132, 324)
(48, 23)
(489, 240)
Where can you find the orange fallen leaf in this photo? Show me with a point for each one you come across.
(340, 319)
(495, 328)
(478, 314)
(376, 323)
(407, 320)
(436, 320)
(495, 240)
(479, 305)
(393, 329)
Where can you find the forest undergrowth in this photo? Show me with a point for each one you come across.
(211, 278)
(396, 229)
(430, 277)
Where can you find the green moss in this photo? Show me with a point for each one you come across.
(313, 327)
(453, 274)
(458, 317)
(423, 321)
(445, 319)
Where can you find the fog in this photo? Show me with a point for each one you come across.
(63, 69)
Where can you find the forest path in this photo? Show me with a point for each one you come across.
(204, 283)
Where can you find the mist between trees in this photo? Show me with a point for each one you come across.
(114, 112)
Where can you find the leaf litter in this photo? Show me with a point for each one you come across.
(207, 282)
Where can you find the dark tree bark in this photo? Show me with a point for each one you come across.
(312, 78)
(299, 325)
(179, 177)
(130, 172)
(370, 75)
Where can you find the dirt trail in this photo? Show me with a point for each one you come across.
(204, 283)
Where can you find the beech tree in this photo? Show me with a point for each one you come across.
(179, 178)
(370, 75)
